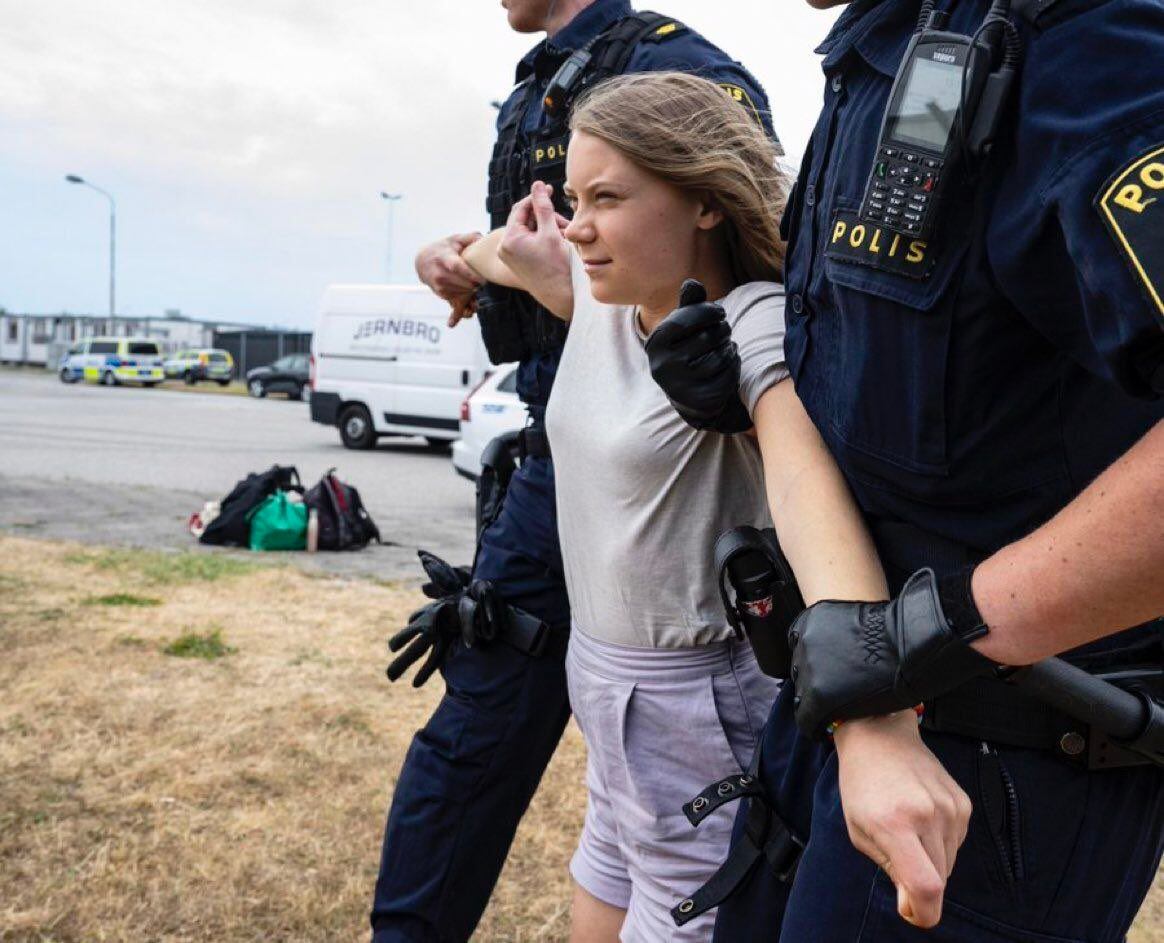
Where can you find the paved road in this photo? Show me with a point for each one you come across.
(127, 466)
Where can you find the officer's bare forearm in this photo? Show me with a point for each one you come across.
(483, 256)
(483, 259)
(1095, 568)
(816, 518)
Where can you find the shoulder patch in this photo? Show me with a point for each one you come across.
(739, 94)
(668, 30)
(1131, 202)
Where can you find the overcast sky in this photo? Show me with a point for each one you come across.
(247, 141)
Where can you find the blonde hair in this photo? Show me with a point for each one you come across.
(689, 132)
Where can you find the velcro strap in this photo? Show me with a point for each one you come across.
(720, 885)
(765, 834)
(718, 794)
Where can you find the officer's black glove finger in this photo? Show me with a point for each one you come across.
(405, 635)
(691, 292)
(491, 610)
(411, 655)
(443, 576)
(734, 418)
(710, 340)
(722, 361)
(440, 651)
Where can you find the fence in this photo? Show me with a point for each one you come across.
(258, 348)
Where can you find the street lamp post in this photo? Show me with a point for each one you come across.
(73, 178)
(392, 199)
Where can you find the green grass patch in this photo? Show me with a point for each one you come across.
(205, 645)
(122, 599)
(162, 569)
(310, 657)
(350, 720)
(131, 641)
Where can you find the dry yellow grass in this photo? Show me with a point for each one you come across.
(145, 797)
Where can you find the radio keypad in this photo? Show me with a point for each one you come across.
(900, 188)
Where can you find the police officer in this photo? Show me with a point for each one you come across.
(471, 771)
(993, 392)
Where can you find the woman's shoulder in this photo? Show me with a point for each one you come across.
(754, 298)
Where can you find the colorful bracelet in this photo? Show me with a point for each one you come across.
(918, 709)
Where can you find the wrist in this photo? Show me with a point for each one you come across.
(899, 723)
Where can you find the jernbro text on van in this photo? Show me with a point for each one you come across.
(405, 328)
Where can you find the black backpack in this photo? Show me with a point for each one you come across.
(344, 523)
(231, 527)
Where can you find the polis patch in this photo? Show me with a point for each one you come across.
(1132, 204)
(861, 243)
(548, 153)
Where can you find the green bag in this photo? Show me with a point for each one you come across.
(278, 524)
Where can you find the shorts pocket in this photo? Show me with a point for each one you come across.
(675, 744)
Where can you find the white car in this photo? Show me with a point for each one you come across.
(490, 410)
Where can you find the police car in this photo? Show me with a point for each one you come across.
(112, 361)
(203, 363)
(491, 409)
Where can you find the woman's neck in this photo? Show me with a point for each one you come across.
(716, 278)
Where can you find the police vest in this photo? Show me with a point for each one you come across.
(513, 324)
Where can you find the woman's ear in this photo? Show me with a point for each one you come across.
(710, 214)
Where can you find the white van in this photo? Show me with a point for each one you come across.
(385, 362)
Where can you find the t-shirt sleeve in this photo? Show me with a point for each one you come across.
(757, 322)
(1077, 236)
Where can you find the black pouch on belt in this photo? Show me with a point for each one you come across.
(767, 599)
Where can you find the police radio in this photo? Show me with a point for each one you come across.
(944, 110)
(564, 84)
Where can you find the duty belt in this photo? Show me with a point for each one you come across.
(994, 711)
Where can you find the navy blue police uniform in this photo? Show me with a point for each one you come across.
(471, 771)
(970, 385)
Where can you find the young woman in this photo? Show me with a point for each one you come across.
(669, 180)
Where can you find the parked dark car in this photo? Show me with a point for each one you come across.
(286, 375)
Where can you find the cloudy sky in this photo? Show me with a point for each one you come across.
(247, 141)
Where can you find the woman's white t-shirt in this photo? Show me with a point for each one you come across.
(642, 496)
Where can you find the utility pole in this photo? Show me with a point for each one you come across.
(73, 178)
(391, 199)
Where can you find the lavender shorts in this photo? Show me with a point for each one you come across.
(659, 725)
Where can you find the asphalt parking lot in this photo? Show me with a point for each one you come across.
(126, 466)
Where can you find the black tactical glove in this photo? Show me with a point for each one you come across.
(435, 627)
(855, 659)
(697, 364)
